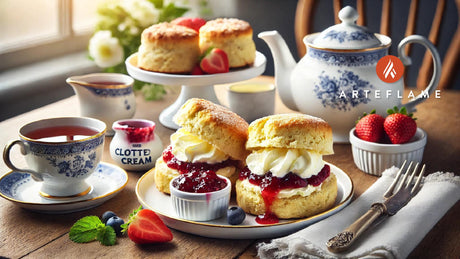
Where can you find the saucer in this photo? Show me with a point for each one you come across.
(107, 181)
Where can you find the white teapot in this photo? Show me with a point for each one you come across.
(337, 79)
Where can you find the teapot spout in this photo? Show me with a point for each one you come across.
(284, 64)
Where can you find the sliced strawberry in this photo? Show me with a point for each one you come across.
(197, 70)
(192, 23)
(146, 227)
(214, 61)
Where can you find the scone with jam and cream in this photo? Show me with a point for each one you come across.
(211, 139)
(286, 176)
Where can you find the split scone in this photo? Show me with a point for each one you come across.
(168, 48)
(231, 35)
(286, 176)
(211, 138)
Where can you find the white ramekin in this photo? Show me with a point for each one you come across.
(374, 158)
(200, 206)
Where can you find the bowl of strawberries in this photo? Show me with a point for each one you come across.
(379, 142)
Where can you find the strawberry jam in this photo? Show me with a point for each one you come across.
(199, 182)
(137, 131)
(271, 185)
(185, 167)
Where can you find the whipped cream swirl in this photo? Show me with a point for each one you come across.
(280, 161)
(190, 148)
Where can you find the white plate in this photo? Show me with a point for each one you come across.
(151, 198)
(23, 191)
(196, 80)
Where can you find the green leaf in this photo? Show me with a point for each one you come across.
(85, 229)
(153, 91)
(157, 3)
(403, 110)
(107, 236)
(390, 111)
(170, 12)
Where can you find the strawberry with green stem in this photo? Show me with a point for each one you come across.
(214, 61)
(399, 126)
(145, 227)
(370, 127)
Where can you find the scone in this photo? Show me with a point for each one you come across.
(231, 35)
(168, 48)
(286, 176)
(211, 138)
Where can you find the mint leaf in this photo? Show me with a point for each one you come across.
(107, 236)
(85, 229)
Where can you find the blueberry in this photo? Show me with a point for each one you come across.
(235, 215)
(115, 222)
(107, 215)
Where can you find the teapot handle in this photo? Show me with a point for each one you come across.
(410, 106)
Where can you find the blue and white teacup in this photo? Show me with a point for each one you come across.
(60, 153)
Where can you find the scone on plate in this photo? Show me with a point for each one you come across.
(286, 176)
(168, 48)
(211, 138)
(231, 35)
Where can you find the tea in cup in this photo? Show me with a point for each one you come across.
(61, 153)
(252, 100)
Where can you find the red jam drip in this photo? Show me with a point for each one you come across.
(271, 185)
(185, 167)
(138, 131)
(199, 182)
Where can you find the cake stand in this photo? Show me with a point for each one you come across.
(193, 86)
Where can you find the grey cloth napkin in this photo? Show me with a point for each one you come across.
(395, 237)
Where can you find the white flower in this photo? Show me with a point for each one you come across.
(129, 26)
(142, 10)
(105, 49)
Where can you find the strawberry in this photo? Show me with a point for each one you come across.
(197, 71)
(145, 227)
(399, 126)
(192, 23)
(370, 127)
(214, 61)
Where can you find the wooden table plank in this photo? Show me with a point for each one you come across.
(25, 233)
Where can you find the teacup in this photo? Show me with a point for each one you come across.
(252, 100)
(61, 153)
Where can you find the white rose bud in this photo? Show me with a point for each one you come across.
(105, 49)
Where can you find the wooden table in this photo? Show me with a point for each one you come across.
(29, 234)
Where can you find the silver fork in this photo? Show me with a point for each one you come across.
(397, 196)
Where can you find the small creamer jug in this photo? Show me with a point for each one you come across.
(105, 96)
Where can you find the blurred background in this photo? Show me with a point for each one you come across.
(45, 41)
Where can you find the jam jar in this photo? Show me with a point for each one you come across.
(135, 146)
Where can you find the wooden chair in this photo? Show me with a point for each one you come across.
(304, 25)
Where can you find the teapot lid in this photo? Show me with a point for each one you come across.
(347, 35)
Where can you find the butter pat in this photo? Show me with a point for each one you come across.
(189, 148)
(281, 161)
